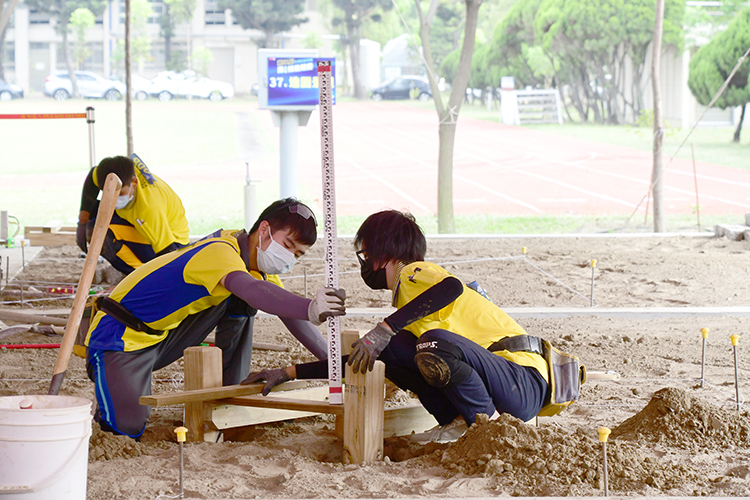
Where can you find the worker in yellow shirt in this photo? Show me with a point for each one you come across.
(149, 218)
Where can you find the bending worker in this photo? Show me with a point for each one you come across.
(149, 218)
(176, 300)
(446, 343)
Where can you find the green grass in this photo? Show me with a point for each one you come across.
(209, 139)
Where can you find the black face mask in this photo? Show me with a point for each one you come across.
(372, 278)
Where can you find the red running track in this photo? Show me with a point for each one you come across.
(386, 157)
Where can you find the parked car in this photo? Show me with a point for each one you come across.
(403, 87)
(170, 84)
(141, 87)
(9, 91)
(59, 86)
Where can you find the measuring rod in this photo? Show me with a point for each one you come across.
(335, 396)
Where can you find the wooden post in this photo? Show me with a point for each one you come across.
(364, 397)
(348, 337)
(203, 369)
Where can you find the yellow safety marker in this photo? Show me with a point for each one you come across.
(181, 432)
(593, 267)
(603, 435)
(704, 334)
(523, 251)
(735, 339)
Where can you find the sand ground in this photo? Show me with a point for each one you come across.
(671, 437)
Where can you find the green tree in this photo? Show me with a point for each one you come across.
(713, 63)
(511, 42)
(202, 57)
(352, 14)
(81, 20)
(6, 10)
(140, 43)
(590, 46)
(181, 11)
(268, 16)
(61, 10)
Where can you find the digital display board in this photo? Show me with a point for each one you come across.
(293, 81)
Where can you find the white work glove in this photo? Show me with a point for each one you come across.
(327, 302)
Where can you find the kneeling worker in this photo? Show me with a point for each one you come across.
(176, 300)
(149, 218)
(456, 350)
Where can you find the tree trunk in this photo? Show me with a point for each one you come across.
(448, 115)
(128, 100)
(166, 27)
(739, 125)
(2, 52)
(68, 62)
(352, 31)
(657, 173)
(6, 10)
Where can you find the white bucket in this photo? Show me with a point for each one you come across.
(44, 449)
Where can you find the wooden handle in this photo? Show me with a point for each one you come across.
(110, 193)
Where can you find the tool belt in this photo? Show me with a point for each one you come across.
(565, 371)
(523, 343)
(120, 313)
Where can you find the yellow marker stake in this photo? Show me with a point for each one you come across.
(593, 265)
(603, 435)
(704, 333)
(181, 431)
(735, 339)
(523, 250)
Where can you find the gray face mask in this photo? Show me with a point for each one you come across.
(123, 201)
(275, 259)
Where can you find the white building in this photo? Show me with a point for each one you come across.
(33, 48)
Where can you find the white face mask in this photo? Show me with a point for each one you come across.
(123, 201)
(275, 259)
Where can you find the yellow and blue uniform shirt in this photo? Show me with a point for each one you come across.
(157, 213)
(166, 290)
(471, 315)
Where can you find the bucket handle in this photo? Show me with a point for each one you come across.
(5, 490)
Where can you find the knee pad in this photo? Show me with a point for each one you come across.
(441, 363)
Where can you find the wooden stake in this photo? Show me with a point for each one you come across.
(203, 369)
(110, 193)
(363, 415)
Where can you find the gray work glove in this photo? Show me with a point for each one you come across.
(327, 302)
(367, 349)
(272, 377)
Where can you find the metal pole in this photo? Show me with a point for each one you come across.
(735, 338)
(288, 156)
(603, 435)
(90, 120)
(181, 432)
(593, 268)
(704, 334)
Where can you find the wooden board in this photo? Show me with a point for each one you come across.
(253, 410)
(214, 394)
(47, 236)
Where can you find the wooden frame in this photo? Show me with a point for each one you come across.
(362, 420)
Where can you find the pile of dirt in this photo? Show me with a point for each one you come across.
(107, 446)
(554, 461)
(682, 420)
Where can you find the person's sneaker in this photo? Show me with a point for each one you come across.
(447, 433)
